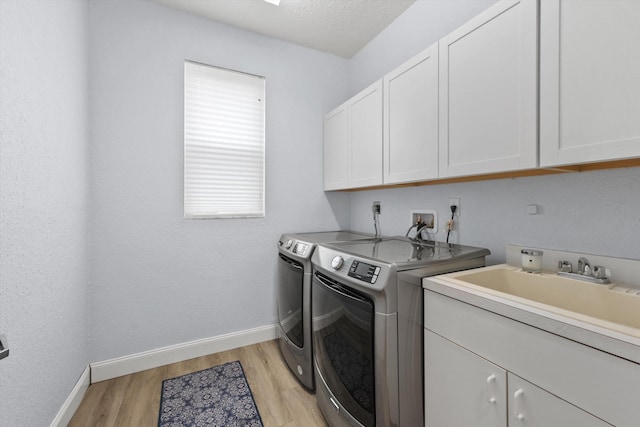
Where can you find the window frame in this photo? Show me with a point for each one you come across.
(191, 209)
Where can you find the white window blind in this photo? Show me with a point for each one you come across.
(223, 143)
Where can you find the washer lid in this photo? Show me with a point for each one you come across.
(302, 245)
(407, 254)
(327, 236)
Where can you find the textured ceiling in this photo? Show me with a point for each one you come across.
(340, 27)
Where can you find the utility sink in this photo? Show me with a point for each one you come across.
(602, 305)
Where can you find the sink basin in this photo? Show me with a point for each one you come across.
(593, 303)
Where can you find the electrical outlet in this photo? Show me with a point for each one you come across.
(376, 207)
(455, 202)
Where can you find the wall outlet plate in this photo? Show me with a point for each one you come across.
(427, 216)
(455, 201)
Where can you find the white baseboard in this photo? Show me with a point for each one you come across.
(125, 365)
(73, 401)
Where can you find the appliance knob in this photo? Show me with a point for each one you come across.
(288, 244)
(337, 262)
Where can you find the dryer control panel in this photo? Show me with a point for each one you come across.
(300, 248)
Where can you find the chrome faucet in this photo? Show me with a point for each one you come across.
(595, 274)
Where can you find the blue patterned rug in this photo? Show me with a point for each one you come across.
(218, 396)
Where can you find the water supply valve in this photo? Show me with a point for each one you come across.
(4, 346)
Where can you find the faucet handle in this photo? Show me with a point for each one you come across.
(565, 266)
(599, 272)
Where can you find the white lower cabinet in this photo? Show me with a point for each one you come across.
(529, 405)
(463, 389)
(484, 369)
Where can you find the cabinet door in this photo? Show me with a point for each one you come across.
(365, 129)
(532, 406)
(336, 149)
(589, 81)
(488, 89)
(411, 120)
(461, 389)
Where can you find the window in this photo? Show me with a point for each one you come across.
(223, 143)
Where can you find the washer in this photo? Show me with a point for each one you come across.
(294, 297)
(367, 326)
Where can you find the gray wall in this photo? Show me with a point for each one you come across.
(592, 212)
(421, 25)
(156, 278)
(43, 206)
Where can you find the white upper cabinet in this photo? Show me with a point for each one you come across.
(365, 112)
(589, 81)
(489, 92)
(336, 149)
(411, 120)
(353, 142)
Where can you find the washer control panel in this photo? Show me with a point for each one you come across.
(363, 271)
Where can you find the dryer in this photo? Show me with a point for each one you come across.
(294, 297)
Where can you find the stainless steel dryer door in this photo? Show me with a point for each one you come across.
(343, 323)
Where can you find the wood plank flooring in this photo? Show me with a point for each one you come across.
(134, 400)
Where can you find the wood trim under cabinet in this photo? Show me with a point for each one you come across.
(587, 167)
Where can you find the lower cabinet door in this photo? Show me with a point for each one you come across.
(461, 388)
(531, 406)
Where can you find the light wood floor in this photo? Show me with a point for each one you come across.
(134, 400)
